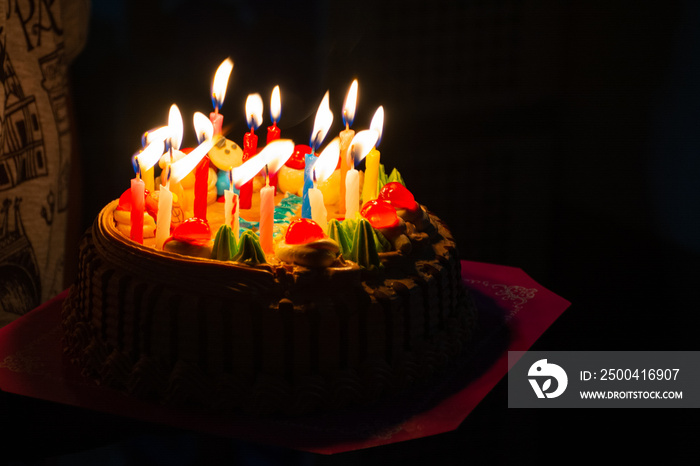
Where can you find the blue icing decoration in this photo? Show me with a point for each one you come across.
(222, 182)
(310, 160)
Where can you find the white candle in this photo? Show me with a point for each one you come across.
(165, 206)
(360, 145)
(346, 138)
(228, 207)
(352, 193)
(319, 214)
(236, 225)
(267, 218)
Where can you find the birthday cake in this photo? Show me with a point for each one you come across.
(333, 313)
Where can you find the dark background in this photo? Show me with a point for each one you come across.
(558, 137)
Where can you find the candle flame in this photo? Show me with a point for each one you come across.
(157, 134)
(327, 161)
(155, 141)
(253, 111)
(205, 134)
(277, 153)
(274, 155)
(243, 173)
(175, 125)
(323, 122)
(350, 105)
(377, 124)
(275, 105)
(220, 82)
(136, 165)
(360, 146)
(203, 127)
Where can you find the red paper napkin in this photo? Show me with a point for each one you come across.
(514, 311)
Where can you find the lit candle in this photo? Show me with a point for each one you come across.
(153, 143)
(218, 92)
(231, 210)
(182, 167)
(138, 204)
(201, 186)
(174, 142)
(273, 132)
(323, 122)
(322, 169)
(359, 147)
(165, 207)
(267, 218)
(369, 189)
(253, 111)
(273, 155)
(346, 136)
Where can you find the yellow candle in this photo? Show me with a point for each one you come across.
(345, 138)
(148, 179)
(369, 189)
(228, 207)
(165, 206)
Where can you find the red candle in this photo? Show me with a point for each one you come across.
(201, 186)
(273, 132)
(138, 201)
(253, 115)
(250, 147)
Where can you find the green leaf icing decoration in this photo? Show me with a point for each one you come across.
(249, 250)
(340, 235)
(224, 244)
(396, 176)
(349, 225)
(364, 250)
(383, 244)
(382, 179)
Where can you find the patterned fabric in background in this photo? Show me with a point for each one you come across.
(38, 40)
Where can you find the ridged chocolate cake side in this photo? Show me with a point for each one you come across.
(264, 339)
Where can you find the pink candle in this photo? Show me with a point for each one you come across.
(201, 186)
(218, 91)
(267, 212)
(138, 201)
(217, 120)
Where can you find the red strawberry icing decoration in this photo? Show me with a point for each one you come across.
(302, 231)
(380, 214)
(193, 231)
(398, 196)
